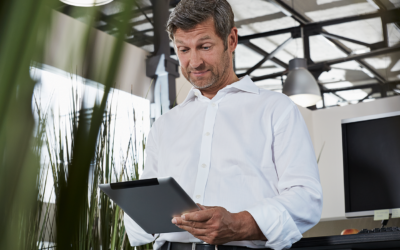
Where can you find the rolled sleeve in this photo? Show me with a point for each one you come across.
(298, 205)
(276, 224)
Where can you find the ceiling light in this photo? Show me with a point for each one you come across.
(300, 84)
(86, 3)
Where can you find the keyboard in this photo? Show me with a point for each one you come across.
(380, 230)
(376, 238)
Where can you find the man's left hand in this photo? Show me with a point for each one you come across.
(215, 225)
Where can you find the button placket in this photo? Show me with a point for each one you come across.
(205, 153)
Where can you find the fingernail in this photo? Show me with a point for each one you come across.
(174, 220)
(183, 216)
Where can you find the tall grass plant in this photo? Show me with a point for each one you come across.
(81, 218)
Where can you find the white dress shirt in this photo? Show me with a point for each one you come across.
(247, 149)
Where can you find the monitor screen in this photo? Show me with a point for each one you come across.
(371, 153)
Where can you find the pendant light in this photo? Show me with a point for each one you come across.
(86, 3)
(300, 84)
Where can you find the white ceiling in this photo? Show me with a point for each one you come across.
(256, 16)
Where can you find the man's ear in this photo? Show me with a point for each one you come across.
(233, 39)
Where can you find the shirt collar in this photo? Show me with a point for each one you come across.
(244, 84)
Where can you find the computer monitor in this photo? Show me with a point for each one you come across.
(371, 161)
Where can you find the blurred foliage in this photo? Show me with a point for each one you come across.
(83, 220)
(21, 21)
(101, 221)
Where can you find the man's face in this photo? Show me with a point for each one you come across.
(202, 55)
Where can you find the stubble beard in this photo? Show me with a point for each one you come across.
(216, 76)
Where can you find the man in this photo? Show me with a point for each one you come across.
(243, 153)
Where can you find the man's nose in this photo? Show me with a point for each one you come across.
(195, 60)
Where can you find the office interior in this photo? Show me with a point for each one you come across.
(352, 47)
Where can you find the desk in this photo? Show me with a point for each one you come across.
(385, 240)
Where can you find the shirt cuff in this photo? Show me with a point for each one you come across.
(276, 224)
(136, 235)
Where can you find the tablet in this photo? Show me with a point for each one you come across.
(151, 203)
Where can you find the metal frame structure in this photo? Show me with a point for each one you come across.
(306, 29)
(161, 66)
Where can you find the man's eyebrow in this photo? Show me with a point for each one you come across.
(201, 39)
(204, 38)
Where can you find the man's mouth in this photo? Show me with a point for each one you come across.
(199, 73)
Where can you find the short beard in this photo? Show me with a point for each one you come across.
(216, 76)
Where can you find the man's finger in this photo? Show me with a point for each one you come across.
(194, 224)
(201, 206)
(202, 215)
(197, 232)
(208, 207)
(176, 220)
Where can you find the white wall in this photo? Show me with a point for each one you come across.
(182, 87)
(326, 127)
(63, 51)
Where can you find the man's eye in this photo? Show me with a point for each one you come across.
(183, 50)
(206, 48)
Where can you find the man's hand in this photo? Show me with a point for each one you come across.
(215, 225)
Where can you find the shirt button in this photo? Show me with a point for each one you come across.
(214, 105)
(203, 165)
(207, 134)
(198, 196)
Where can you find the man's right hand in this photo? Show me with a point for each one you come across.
(216, 225)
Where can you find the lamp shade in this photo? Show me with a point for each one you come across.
(300, 84)
(86, 3)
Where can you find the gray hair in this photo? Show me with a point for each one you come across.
(188, 13)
